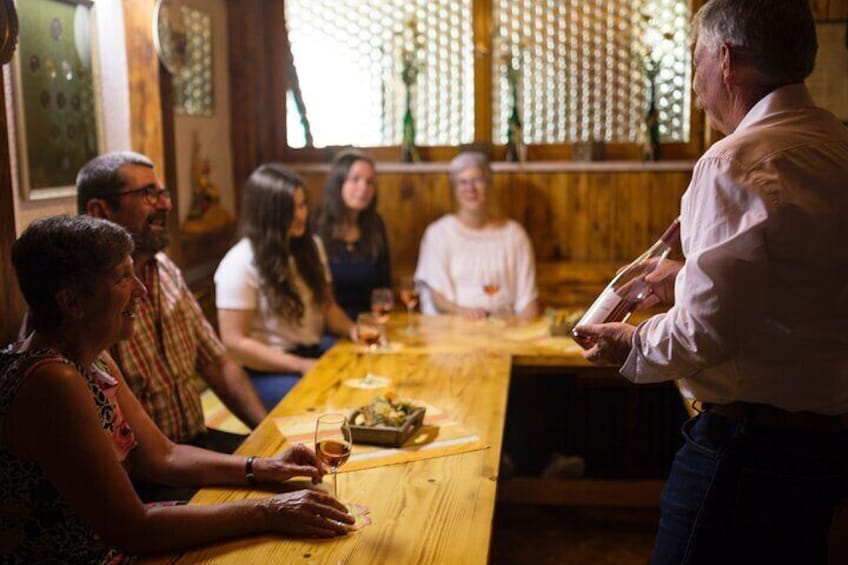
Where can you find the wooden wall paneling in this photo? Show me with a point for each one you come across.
(275, 16)
(483, 68)
(837, 10)
(583, 225)
(151, 105)
(257, 83)
(241, 92)
(11, 301)
(819, 9)
(143, 70)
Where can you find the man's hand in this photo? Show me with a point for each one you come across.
(610, 342)
(662, 284)
(297, 461)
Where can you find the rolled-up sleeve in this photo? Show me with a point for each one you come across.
(719, 292)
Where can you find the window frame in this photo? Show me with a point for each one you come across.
(481, 11)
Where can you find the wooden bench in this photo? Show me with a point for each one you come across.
(573, 284)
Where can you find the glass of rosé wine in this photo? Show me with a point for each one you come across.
(333, 443)
(410, 293)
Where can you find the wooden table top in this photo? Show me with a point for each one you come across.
(432, 511)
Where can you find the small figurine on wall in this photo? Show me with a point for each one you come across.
(206, 213)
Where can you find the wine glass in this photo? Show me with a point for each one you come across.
(368, 333)
(333, 443)
(491, 286)
(409, 293)
(382, 303)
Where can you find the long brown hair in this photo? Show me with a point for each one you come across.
(332, 210)
(267, 213)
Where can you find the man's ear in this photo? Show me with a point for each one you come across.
(725, 62)
(98, 208)
(69, 303)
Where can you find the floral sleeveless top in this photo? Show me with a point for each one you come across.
(36, 525)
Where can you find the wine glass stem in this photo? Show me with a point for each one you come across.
(335, 484)
(408, 317)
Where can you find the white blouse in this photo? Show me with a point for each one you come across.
(458, 261)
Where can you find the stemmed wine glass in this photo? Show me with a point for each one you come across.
(382, 303)
(333, 443)
(409, 293)
(368, 332)
(491, 286)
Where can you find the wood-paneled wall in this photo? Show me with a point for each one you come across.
(830, 10)
(582, 223)
(11, 301)
(151, 105)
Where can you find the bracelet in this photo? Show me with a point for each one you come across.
(248, 469)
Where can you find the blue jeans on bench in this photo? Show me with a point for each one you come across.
(273, 386)
(739, 494)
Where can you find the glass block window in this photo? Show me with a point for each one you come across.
(194, 85)
(583, 67)
(348, 56)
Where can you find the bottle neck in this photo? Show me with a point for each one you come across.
(671, 237)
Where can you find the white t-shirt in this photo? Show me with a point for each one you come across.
(457, 261)
(237, 287)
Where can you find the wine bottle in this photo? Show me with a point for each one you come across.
(628, 288)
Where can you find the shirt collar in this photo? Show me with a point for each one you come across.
(788, 97)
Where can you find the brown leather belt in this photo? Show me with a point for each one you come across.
(771, 418)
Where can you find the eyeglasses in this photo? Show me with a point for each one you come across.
(151, 194)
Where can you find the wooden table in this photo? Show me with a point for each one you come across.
(432, 511)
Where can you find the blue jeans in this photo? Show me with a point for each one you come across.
(273, 386)
(737, 494)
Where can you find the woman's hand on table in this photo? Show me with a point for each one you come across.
(297, 461)
(472, 313)
(306, 513)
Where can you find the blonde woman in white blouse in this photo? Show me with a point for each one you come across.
(472, 263)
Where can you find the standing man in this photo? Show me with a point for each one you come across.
(758, 333)
(172, 338)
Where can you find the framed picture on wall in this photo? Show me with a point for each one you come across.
(51, 90)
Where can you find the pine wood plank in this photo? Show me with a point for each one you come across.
(432, 511)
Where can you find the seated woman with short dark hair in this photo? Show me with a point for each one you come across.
(71, 429)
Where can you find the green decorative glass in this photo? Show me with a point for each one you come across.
(651, 126)
(514, 147)
(408, 151)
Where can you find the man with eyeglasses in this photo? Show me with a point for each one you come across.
(172, 337)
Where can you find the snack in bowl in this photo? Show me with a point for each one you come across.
(388, 420)
(561, 321)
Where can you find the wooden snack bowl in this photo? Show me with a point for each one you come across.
(390, 436)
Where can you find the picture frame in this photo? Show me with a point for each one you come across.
(52, 97)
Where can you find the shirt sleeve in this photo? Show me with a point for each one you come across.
(525, 271)
(719, 291)
(209, 346)
(236, 283)
(432, 269)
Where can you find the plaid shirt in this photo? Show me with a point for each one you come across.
(172, 339)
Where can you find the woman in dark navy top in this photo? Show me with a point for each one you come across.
(353, 233)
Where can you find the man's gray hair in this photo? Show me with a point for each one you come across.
(776, 37)
(102, 176)
(467, 160)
